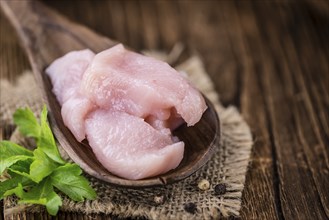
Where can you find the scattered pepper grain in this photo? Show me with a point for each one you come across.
(190, 207)
(220, 189)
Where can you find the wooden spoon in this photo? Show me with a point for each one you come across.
(46, 35)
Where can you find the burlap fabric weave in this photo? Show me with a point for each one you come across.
(228, 166)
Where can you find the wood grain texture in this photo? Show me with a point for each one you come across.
(269, 58)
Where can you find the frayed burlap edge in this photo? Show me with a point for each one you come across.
(228, 166)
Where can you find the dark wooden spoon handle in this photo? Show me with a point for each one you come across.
(47, 35)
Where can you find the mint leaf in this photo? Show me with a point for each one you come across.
(46, 141)
(8, 185)
(10, 153)
(12, 184)
(34, 174)
(7, 162)
(8, 149)
(18, 190)
(43, 194)
(38, 194)
(27, 122)
(42, 166)
(21, 167)
(53, 203)
(68, 180)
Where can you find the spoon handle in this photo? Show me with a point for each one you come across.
(47, 35)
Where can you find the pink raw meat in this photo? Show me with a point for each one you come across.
(122, 80)
(66, 73)
(129, 147)
(74, 112)
(126, 105)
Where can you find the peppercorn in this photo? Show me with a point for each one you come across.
(220, 189)
(204, 184)
(190, 207)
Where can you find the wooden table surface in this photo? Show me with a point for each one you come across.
(268, 58)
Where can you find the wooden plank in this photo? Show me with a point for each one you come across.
(13, 60)
(170, 27)
(283, 84)
(260, 195)
(311, 119)
(313, 134)
(150, 24)
(134, 25)
(205, 30)
(118, 21)
(98, 18)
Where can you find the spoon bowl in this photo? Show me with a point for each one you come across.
(46, 36)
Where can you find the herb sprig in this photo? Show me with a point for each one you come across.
(36, 176)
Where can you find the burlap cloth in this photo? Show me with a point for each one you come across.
(228, 166)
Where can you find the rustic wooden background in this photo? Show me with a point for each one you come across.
(269, 58)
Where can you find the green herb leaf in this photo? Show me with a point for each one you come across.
(42, 166)
(18, 190)
(10, 153)
(7, 162)
(68, 180)
(34, 174)
(21, 168)
(46, 141)
(53, 203)
(10, 184)
(27, 122)
(43, 194)
(8, 149)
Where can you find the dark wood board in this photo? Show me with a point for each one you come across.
(269, 58)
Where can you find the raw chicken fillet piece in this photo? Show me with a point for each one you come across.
(126, 81)
(66, 75)
(132, 148)
(126, 105)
